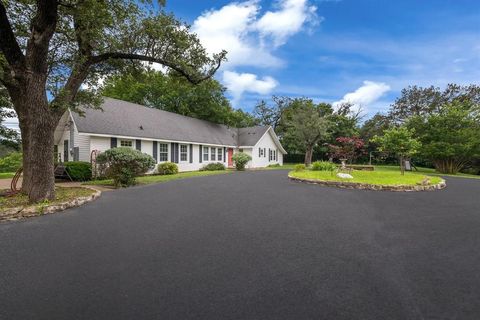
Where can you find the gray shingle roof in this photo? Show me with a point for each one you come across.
(250, 136)
(121, 118)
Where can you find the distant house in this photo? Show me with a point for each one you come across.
(166, 136)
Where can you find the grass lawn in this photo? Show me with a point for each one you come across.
(429, 171)
(62, 194)
(161, 178)
(6, 175)
(381, 176)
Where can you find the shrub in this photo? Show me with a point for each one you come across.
(167, 168)
(323, 166)
(124, 164)
(11, 162)
(241, 159)
(213, 167)
(79, 170)
(299, 167)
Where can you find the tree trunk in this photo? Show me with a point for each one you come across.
(308, 156)
(37, 122)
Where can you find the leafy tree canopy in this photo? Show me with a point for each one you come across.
(418, 101)
(400, 142)
(450, 137)
(305, 124)
(50, 48)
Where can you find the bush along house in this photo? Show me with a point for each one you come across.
(166, 136)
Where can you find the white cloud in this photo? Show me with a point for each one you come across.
(238, 83)
(367, 94)
(288, 20)
(249, 37)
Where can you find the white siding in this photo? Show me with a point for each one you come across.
(267, 143)
(147, 147)
(100, 144)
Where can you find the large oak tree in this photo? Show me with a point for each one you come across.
(49, 48)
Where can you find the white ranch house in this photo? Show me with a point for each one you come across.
(166, 136)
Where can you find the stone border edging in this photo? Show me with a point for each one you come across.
(366, 186)
(18, 213)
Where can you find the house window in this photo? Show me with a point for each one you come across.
(205, 153)
(163, 155)
(183, 152)
(219, 154)
(126, 143)
(269, 155)
(213, 156)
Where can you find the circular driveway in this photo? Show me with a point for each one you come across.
(249, 245)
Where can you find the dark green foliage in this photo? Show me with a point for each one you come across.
(241, 159)
(11, 162)
(450, 137)
(275, 165)
(213, 167)
(124, 164)
(79, 170)
(167, 168)
(323, 166)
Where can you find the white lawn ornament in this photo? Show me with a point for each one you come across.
(344, 175)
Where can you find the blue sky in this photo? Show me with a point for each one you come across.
(362, 51)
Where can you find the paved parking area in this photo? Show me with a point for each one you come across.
(250, 245)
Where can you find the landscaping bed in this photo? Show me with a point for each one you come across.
(372, 180)
(18, 207)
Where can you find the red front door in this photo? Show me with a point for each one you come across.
(230, 154)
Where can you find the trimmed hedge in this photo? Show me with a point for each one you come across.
(213, 167)
(79, 170)
(167, 168)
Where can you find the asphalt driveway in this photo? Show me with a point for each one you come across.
(250, 245)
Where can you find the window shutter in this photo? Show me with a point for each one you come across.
(224, 154)
(138, 144)
(176, 152)
(155, 150)
(113, 143)
(191, 153)
(172, 152)
(200, 148)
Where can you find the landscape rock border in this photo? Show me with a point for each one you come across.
(365, 186)
(18, 213)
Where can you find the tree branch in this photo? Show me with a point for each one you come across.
(42, 28)
(8, 43)
(132, 56)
